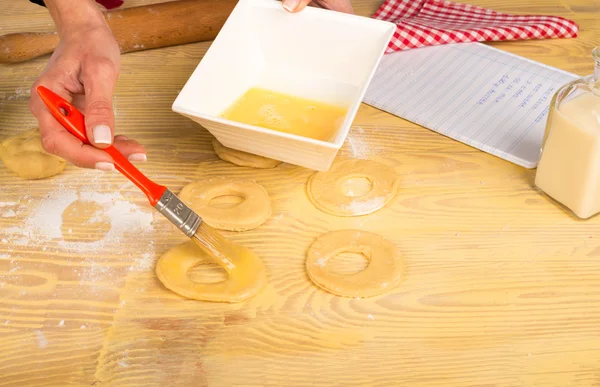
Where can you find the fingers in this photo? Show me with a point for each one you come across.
(36, 105)
(131, 149)
(58, 141)
(295, 5)
(99, 77)
(342, 6)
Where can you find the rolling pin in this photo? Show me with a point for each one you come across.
(135, 29)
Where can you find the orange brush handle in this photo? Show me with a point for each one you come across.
(74, 122)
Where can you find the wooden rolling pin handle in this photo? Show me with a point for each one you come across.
(168, 24)
(19, 47)
(136, 28)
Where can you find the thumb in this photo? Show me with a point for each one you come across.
(99, 78)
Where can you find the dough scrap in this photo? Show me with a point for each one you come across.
(384, 271)
(246, 273)
(24, 155)
(324, 189)
(243, 159)
(253, 211)
(84, 220)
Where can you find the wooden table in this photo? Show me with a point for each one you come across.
(502, 287)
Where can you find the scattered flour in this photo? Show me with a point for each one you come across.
(41, 339)
(359, 144)
(123, 361)
(360, 149)
(371, 317)
(45, 222)
(20, 93)
(92, 273)
(61, 323)
(9, 214)
(359, 206)
(41, 227)
(144, 262)
(321, 261)
(23, 92)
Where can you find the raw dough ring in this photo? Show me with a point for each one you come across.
(246, 274)
(24, 155)
(253, 211)
(325, 188)
(243, 159)
(383, 272)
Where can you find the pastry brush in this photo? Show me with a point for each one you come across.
(161, 198)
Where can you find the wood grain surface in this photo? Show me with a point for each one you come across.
(502, 286)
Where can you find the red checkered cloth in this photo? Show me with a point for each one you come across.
(421, 23)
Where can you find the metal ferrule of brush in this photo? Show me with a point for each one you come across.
(178, 213)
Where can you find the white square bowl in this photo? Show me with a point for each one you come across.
(316, 54)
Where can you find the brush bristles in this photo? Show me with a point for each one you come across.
(213, 243)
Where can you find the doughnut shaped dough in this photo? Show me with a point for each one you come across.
(325, 188)
(24, 155)
(242, 158)
(253, 211)
(246, 273)
(383, 272)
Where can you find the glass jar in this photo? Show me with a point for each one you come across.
(569, 167)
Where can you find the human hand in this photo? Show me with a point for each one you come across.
(84, 70)
(334, 5)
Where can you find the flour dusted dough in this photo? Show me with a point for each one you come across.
(25, 156)
(242, 158)
(253, 211)
(325, 188)
(246, 273)
(383, 272)
(84, 220)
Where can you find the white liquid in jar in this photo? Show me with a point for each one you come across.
(569, 167)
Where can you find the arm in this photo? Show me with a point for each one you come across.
(69, 14)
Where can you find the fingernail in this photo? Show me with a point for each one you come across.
(137, 157)
(102, 134)
(104, 166)
(290, 5)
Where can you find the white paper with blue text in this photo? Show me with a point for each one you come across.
(484, 97)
